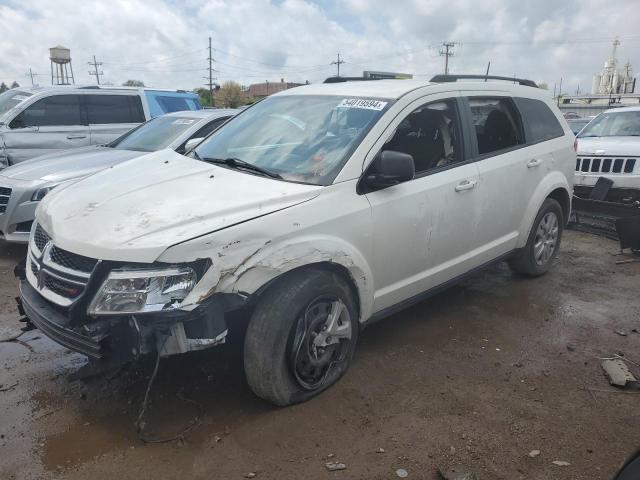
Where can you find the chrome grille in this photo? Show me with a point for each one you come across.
(40, 238)
(60, 276)
(611, 165)
(5, 194)
(72, 261)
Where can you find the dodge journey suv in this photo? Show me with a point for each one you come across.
(314, 212)
(40, 120)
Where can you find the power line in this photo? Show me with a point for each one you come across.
(95, 72)
(447, 51)
(338, 63)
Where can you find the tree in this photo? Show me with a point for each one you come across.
(543, 85)
(15, 84)
(230, 95)
(3, 87)
(133, 83)
(204, 97)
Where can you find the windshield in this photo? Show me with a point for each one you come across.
(11, 99)
(302, 138)
(155, 134)
(614, 124)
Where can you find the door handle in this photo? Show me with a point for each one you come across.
(466, 185)
(534, 163)
(73, 137)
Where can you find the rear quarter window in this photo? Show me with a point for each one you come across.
(540, 122)
(167, 102)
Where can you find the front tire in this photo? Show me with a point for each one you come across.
(543, 243)
(301, 337)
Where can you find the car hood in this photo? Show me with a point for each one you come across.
(609, 146)
(134, 211)
(61, 166)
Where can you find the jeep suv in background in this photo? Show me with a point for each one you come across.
(22, 186)
(40, 120)
(609, 146)
(313, 212)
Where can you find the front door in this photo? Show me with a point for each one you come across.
(48, 125)
(424, 229)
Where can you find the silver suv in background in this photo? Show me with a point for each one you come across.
(40, 120)
(23, 186)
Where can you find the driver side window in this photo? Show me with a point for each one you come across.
(430, 135)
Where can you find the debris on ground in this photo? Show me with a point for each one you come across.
(402, 473)
(561, 463)
(618, 372)
(335, 466)
(622, 333)
(534, 453)
(570, 347)
(457, 473)
(9, 334)
(10, 387)
(380, 450)
(250, 475)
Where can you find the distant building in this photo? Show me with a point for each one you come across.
(612, 80)
(612, 87)
(261, 90)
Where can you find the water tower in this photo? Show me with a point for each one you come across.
(61, 62)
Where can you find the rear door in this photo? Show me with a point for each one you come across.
(52, 123)
(111, 115)
(499, 148)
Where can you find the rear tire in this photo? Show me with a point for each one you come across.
(293, 350)
(543, 243)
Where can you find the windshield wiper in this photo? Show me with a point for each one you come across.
(240, 164)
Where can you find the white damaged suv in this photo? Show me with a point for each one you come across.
(315, 211)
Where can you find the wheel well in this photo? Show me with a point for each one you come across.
(562, 197)
(328, 266)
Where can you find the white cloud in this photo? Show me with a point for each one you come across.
(163, 42)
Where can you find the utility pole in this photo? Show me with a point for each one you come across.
(559, 91)
(447, 51)
(31, 74)
(95, 64)
(338, 63)
(210, 84)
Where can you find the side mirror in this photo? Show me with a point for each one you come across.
(192, 143)
(387, 169)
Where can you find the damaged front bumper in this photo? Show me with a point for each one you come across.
(120, 339)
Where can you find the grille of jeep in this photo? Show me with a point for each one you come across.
(5, 194)
(605, 165)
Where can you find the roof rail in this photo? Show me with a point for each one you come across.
(92, 87)
(455, 78)
(348, 79)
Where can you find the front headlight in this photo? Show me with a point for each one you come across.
(41, 192)
(127, 292)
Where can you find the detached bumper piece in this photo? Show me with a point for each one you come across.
(55, 325)
(607, 211)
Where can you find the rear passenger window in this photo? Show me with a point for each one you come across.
(114, 109)
(497, 124)
(56, 110)
(541, 122)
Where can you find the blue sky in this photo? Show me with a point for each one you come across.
(163, 42)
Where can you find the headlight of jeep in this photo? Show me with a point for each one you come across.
(41, 192)
(139, 291)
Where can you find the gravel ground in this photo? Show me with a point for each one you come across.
(476, 377)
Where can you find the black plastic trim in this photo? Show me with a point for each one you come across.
(386, 312)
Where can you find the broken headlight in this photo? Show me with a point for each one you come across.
(140, 291)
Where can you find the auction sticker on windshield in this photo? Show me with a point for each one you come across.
(362, 103)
